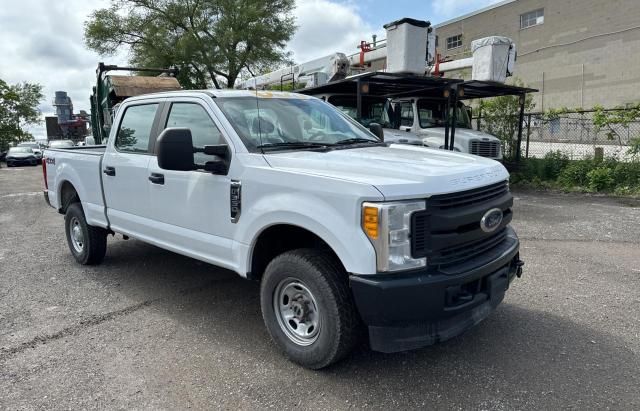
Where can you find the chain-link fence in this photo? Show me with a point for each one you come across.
(573, 134)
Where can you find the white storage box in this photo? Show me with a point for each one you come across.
(493, 58)
(407, 46)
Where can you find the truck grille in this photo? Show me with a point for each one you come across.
(469, 197)
(485, 148)
(448, 231)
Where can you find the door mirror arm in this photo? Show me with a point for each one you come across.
(220, 158)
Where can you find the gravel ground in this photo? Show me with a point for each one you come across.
(152, 329)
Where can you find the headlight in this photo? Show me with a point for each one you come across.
(388, 226)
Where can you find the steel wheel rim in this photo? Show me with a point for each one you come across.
(76, 234)
(297, 311)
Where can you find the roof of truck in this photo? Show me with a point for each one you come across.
(221, 93)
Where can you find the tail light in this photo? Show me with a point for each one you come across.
(44, 173)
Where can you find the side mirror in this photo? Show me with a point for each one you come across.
(174, 149)
(376, 129)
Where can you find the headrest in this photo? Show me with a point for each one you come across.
(261, 125)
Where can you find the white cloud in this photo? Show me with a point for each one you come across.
(325, 27)
(42, 42)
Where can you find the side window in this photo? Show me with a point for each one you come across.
(203, 130)
(135, 128)
(406, 114)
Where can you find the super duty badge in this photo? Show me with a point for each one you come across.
(235, 198)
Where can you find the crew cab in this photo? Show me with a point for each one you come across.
(342, 230)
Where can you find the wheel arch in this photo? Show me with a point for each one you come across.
(67, 194)
(278, 238)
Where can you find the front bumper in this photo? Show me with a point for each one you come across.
(21, 161)
(413, 310)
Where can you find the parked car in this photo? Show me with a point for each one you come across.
(340, 228)
(61, 143)
(20, 156)
(34, 146)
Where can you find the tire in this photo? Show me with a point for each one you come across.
(88, 244)
(331, 325)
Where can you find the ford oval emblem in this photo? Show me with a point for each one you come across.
(491, 220)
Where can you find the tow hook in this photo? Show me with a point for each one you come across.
(519, 264)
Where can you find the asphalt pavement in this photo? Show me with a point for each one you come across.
(150, 329)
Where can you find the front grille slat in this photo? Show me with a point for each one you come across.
(469, 197)
(485, 148)
(461, 252)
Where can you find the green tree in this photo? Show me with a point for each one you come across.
(500, 117)
(18, 108)
(206, 39)
(617, 120)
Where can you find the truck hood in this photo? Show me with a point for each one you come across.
(402, 137)
(463, 135)
(397, 171)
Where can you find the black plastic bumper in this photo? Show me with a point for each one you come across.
(412, 310)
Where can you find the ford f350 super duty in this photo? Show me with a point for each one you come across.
(342, 230)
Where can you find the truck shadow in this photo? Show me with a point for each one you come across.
(517, 352)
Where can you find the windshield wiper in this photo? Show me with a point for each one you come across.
(292, 145)
(357, 140)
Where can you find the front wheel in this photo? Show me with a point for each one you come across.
(308, 308)
(87, 243)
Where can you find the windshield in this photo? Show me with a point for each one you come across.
(61, 143)
(374, 109)
(430, 114)
(13, 150)
(290, 122)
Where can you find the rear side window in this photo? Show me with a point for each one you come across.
(135, 128)
(203, 130)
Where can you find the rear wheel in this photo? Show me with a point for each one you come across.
(87, 243)
(308, 308)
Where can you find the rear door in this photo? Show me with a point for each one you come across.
(192, 207)
(124, 167)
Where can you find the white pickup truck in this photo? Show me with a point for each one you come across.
(342, 230)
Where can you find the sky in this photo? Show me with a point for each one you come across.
(41, 41)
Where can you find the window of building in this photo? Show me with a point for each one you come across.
(437, 40)
(532, 18)
(203, 130)
(454, 42)
(135, 128)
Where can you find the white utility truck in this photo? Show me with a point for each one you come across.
(342, 230)
(426, 118)
(409, 49)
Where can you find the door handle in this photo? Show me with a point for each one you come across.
(156, 178)
(110, 171)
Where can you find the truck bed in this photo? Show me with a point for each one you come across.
(81, 167)
(93, 150)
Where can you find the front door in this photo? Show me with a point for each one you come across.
(192, 208)
(125, 180)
